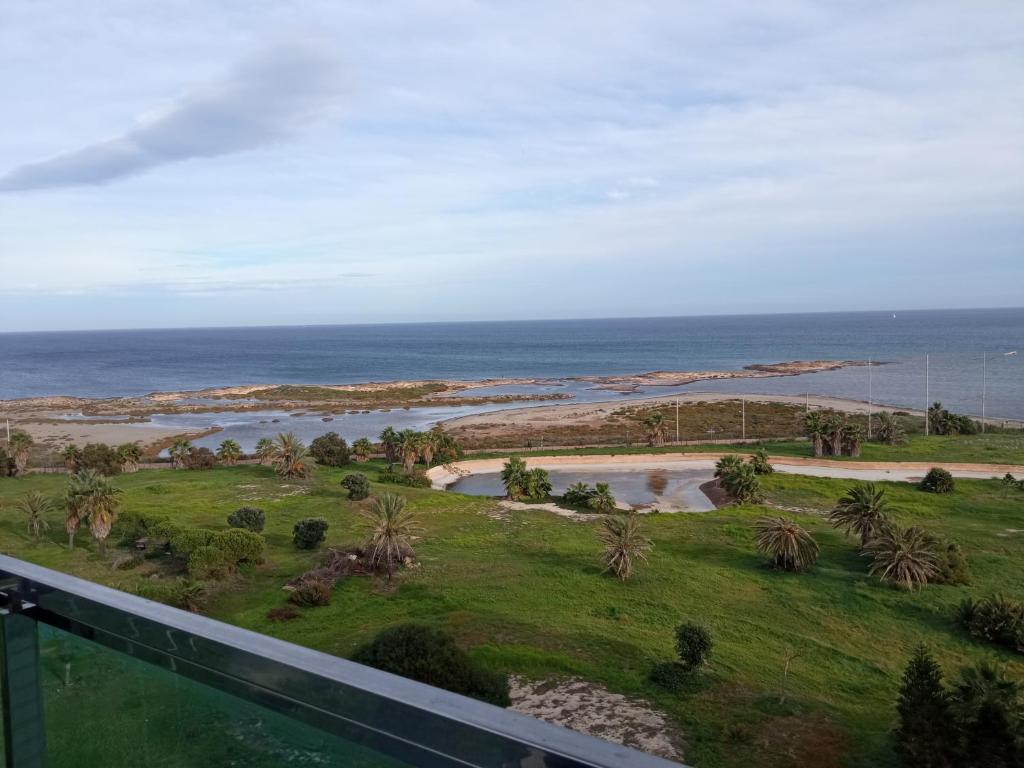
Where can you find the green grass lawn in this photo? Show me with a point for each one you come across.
(524, 590)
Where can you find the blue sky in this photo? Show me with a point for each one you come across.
(232, 163)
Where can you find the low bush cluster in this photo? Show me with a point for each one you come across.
(199, 458)
(179, 593)
(250, 518)
(431, 656)
(578, 495)
(212, 554)
(100, 457)
(996, 619)
(330, 450)
(357, 485)
(937, 480)
(312, 592)
(670, 675)
(951, 565)
(309, 533)
(693, 646)
(416, 478)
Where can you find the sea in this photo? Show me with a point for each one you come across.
(970, 362)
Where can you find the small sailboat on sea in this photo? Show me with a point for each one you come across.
(1010, 354)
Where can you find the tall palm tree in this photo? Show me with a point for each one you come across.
(19, 445)
(410, 442)
(905, 557)
(852, 437)
(392, 526)
(90, 496)
(889, 429)
(362, 448)
(863, 511)
(624, 544)
(264, 450)
(428, 444)
(130, 454)
(36, 507)
(72, 456)
(601, 500)
(291, 457)
(390, 442)
(654, 425)
(789, 545)
(814, 428)
(178, 451)
(229, 452)
(446, 447)
(833, 425)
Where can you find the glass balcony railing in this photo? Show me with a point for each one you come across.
(95, 677)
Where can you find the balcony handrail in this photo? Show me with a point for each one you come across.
(409, 720)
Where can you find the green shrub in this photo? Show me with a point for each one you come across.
(995, 619)
(179, 593)
(396, 475)
(250, 518)
(308, 533)
(239, 546)
(431, 656)
(759, 461)
(670, 675)
(693, 644)
(187, 540)
(578, 495)
(312, 592)
(132, 526)
(937, 481)
(200, 458)
(951, 564)
(330, 450)
(357, 485)
(100, 457)
(208, 562)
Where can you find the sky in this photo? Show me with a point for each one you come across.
(175, 164)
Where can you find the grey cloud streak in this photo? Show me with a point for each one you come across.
(265, 99)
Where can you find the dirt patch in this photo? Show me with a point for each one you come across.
(716, 493)
(803, 740)
(592, 709)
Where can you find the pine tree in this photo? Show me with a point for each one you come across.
(926, 735)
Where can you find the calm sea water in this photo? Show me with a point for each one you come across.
(109, 363)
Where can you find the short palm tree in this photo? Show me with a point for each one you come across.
(601, 500)
(814, 428)
(72, 456)
(264, 452)
(130, 455)
(91, 497)
(362, 448)
(291, 458)
(19, 445)
(863, 511)
(229, 452)
(890, 430)
(905, 557)
(726, 464)
(984, 690)
(446, 448)
(760, 462)
(789, 545)
(392, 527)
(742, 483)
(36, 507)
(178, 451)
(514, 476)
(624, 544)
(654, 425)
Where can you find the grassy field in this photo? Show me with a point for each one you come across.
(524, 590)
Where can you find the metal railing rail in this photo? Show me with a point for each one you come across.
(409, 721)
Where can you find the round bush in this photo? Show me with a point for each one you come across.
(693, 644)
(357, 485)
(308, 533)
(330, 450)
(431, 656)
(250, 518)
(670, 675)
(239, 546)
(937, 481)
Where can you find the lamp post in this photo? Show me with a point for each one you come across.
(927, 396)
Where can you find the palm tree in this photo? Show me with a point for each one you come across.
(655, 426)
(410, 443)
(392, 526)
(852, 437)
(624, 544)
(863, 511)
(601, 500)
(19, 445)
(36, 507)
(446, 447)
(72, 456)
(814, 428)
(229, 452)
(742, 483)
(264, 450)
(362, 448)
(514, 477)
(759, 461)
(833, 425)
(989, 709)
(178, 451)
(390, 441)
(130, 454)
(790, 546)
(91, 497)
(905, 557)
(727, 464)
(890, 430)
(291, 458)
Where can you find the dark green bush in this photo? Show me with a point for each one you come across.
(250, 518)
(308, 533)
(312, 592)
(431, 656)
(132, 526)
(952, 565)
(693, 644)
(937, 481)
(239, 546)
(670, 675)
(207, 562)
(396, 475)
(100, 457)
(200, 458)
(357, 485)
(185, 541)
(330, 450)
(995, 619)
(578, 495)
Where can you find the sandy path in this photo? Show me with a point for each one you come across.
(57, 434)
